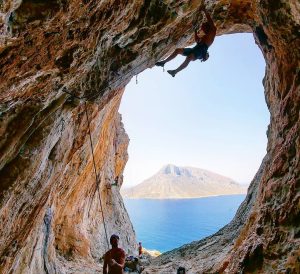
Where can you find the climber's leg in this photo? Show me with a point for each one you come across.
(172, 56)
(188, 59)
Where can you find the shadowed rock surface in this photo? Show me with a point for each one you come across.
(50, 219)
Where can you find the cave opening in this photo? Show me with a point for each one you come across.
(211, 116)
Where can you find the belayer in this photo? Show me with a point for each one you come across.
(114, 259)
(199, 51)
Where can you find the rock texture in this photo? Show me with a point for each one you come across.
(50, 220)
(173, 182)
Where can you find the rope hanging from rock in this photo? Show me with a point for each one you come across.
(89, 130)
(64, 89)
(95, 171)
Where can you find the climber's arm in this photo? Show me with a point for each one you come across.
(105, 267)
(197, 38)
(208, 17)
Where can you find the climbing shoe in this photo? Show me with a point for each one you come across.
(172, 72)
(160, 64)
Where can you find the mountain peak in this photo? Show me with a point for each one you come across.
(183, 182)
(174, 170)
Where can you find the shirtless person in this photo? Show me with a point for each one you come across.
(197, 52)
(114, 259)
(140, 249)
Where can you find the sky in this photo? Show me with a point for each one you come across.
(212, 115)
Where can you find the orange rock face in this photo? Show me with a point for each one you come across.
(50, 215)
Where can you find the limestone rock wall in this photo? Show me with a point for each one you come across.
(50, 214)
(50, 220)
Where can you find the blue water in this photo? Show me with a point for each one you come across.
(167, 224)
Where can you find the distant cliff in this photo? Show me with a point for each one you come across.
(173, 182)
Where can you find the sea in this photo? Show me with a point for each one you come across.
(166, 224)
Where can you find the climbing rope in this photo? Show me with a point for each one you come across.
(112, 82)
(90, 138)
(62, 124)
(95, 170)
(103, 89)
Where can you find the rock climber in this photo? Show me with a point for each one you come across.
(114, 259)
(140, 249)
(197, 52)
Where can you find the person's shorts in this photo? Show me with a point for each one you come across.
(199, 51)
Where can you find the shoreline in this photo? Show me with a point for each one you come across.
(183, 198)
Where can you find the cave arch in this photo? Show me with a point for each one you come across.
(218, 242)
(113, 41)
